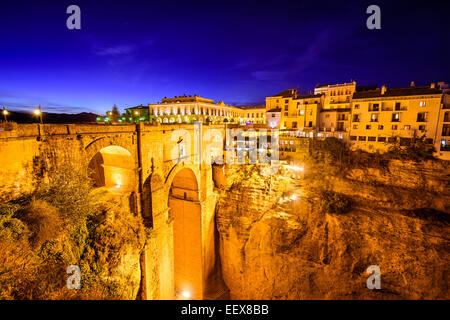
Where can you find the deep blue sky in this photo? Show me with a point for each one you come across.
(135, 52)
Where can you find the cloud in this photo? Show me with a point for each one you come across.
(18, 101)
(116, 51)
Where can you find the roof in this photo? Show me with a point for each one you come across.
(365, 88)
(137, 107)
(307, 96)
(252, 107)
(322, 85)
(287, 93)
(396, 92)
(275, 110)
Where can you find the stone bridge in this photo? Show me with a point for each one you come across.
(159, 168)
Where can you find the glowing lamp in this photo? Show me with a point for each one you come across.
(186, 294)
(293, 197)
(37, 112)
(5, 112)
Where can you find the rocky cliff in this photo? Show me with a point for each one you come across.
(276, 242)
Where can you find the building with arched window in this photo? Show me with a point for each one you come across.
(187, 109)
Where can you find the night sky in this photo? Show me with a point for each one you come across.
(136, 52)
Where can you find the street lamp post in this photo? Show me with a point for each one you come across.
(38, 112)
(5, 113)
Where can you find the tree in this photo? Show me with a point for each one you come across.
(114, 117)
(335, 148)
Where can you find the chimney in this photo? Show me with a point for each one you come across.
(383, 89)
(432, 85)
(412, 84)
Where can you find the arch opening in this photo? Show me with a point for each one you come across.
(113, 167)
(185, 209)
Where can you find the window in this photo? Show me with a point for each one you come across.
(302, 112)
(422, 117)
(310, 124)
(372, 138)
(286, 108)
(355, 126)
(374, 117)
(397, 106)
(380, 127)
(286, 101)
(392, 139)
(422, 103)
(311, 112)
(278, 100)
(356, 106)
(422, 127)
(368, 126)
(294, 124)
(395, 117)
(447, 116)
(356, 118)
(446, 130)
(362, 138)
(327, 116)
(407, 127)
(273, 115)
(286, 114)
(375, 107)
(353, 138)
(253, 115)
(381, 139)
(394, 127)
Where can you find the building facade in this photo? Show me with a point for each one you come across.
(296, 112)
(334, 117)
(383, 116)
(253, 114)
(187, 109)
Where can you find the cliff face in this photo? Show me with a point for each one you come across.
(289, 249)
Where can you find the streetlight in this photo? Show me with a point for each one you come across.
(38, 112)
(5, 113)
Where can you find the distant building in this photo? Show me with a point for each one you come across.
(383, 115)
(334, 118)
(297, 112)
(253, 114)
(187, 109)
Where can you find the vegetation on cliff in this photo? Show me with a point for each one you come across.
(66, 222)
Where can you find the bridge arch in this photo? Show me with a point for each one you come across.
(185, 208)
(113, 167)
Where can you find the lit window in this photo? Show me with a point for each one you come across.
(422, 103)
(302, 112)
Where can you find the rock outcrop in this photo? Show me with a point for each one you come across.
(275, 243)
